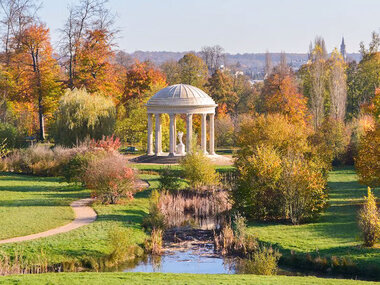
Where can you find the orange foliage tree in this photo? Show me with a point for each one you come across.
(280, 95)
(95, 70)
(141, 79)
(367, 161)
(35, 73)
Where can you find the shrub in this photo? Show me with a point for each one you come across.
(155, 219)
(108, 143)
(279, 187)
(9, 135)
(280, 174)
(37, 160)
(264, 261)
(75, 168)
(303, 189)
(168, 179)
(121, 247)
(369, 220)
(153, 244)
(110, 178)
(81, 115)
(331, 140)
(198, 170)
(41, 160)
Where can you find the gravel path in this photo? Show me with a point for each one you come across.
(84, 215)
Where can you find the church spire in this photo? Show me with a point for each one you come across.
(343, 49)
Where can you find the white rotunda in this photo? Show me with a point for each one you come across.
(180, 99)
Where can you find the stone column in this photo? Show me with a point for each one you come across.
(204, 133)
(150, 135)
(189, 131)
(212, 134)
(172, 135)
(158, 141)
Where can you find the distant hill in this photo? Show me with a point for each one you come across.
(250, 63)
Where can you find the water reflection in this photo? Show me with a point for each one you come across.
(187, 258)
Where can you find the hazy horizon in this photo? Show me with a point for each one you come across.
(241, 26)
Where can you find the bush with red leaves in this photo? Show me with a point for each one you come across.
(107, 143)
(110, 178)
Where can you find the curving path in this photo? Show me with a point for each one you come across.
(84, 215)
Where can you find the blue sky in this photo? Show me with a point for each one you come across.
(237, 25)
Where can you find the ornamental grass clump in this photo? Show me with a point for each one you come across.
(369, 220)
(110, 178)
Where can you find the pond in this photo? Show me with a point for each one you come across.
(196, 257)
(187, 257)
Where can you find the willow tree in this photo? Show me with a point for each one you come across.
(81, 115)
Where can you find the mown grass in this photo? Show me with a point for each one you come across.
(164, 279)
(91, 240)
(335, 234)
(34, 204)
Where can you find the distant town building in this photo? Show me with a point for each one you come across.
(343, 50)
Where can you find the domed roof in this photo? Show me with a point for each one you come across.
(181, 95)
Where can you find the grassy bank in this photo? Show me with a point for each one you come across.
(91, 240)
(34, 204)
(160, 278)
(335, 234)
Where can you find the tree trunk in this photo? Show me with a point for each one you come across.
(41, 119)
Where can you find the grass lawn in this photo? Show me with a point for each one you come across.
(90, 240)
(34, 204)
(159, 278)
(336, 233)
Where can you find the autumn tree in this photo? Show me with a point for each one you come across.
(193, 70)
(337, 86)
(16, 16)
(90, 20)
(279, 175)
(36, 72)
(94, 68)
(368, 157)
(221, 88)
(140, 81)
(280, 95)
(172, 71)
(318, 76)
(369, 220)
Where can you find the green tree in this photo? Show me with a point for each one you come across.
(193, 70)
(364, 78)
